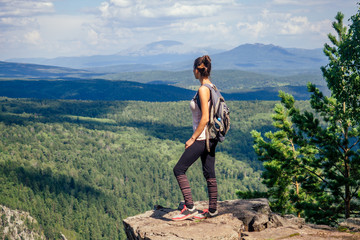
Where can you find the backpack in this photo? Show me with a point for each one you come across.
(219, 118)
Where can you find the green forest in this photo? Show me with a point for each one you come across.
(80, 167)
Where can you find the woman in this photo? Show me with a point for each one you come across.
(195, 147)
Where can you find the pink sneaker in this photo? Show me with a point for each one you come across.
(185, 214)
(205, 214)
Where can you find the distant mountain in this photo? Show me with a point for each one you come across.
(97, 61)
(156, 54)
(229, 81)
(175, 56)
(265, 57)
(241, 73)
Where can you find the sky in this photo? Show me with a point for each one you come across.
(53, 28)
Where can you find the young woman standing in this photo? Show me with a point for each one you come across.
(195, 147)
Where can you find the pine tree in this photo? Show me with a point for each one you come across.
(319, 150)
(284, 160)
(338, 139)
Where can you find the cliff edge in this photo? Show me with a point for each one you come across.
(238, 219)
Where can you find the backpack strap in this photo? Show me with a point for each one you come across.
(211, 88)
(207, 139)
(197, 99)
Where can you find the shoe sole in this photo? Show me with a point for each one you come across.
(186, 217)
(205, 217)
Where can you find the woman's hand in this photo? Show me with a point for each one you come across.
(189, 142)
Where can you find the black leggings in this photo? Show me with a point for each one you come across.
(190, 155)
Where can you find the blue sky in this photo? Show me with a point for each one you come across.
(52, 28)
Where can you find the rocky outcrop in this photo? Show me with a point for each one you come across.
(238, 219)
(353, 224)
(18, 225)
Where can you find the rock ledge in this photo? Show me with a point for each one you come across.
(238, 219)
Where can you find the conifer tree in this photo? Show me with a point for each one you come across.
(338, 139)
(325, 142)
(283, 159)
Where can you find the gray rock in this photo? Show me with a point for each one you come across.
(294, 220)
(352, 224)
(259, 222)
(17, 224)
(235, 217)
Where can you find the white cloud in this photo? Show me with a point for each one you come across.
(21, 14)
(63, 27)
(285, 28)
(280, 2)
(9, 22)
(23, 8)
(33, 37)
(302, 2)
(143, 11)
(140, 22)
(322, 27)
(121, 3)
(282, 23)
(295, 25)
(116, 25)
(182, 10)
(254, 30)
(187, 27)
(93, 36)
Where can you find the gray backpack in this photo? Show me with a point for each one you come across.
(219, 118)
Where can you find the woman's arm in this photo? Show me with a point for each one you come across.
(204, 95)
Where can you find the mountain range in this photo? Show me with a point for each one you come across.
(175, 56)
(163, 72)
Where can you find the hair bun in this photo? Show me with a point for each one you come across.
(207, 59)
(203, 64)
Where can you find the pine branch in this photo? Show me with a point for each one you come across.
(355, 192)
(317, 175)
(357, 141)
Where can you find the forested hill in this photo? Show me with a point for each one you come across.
(124, 90)
(80, 167)
(93, 90)
(50, 82)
